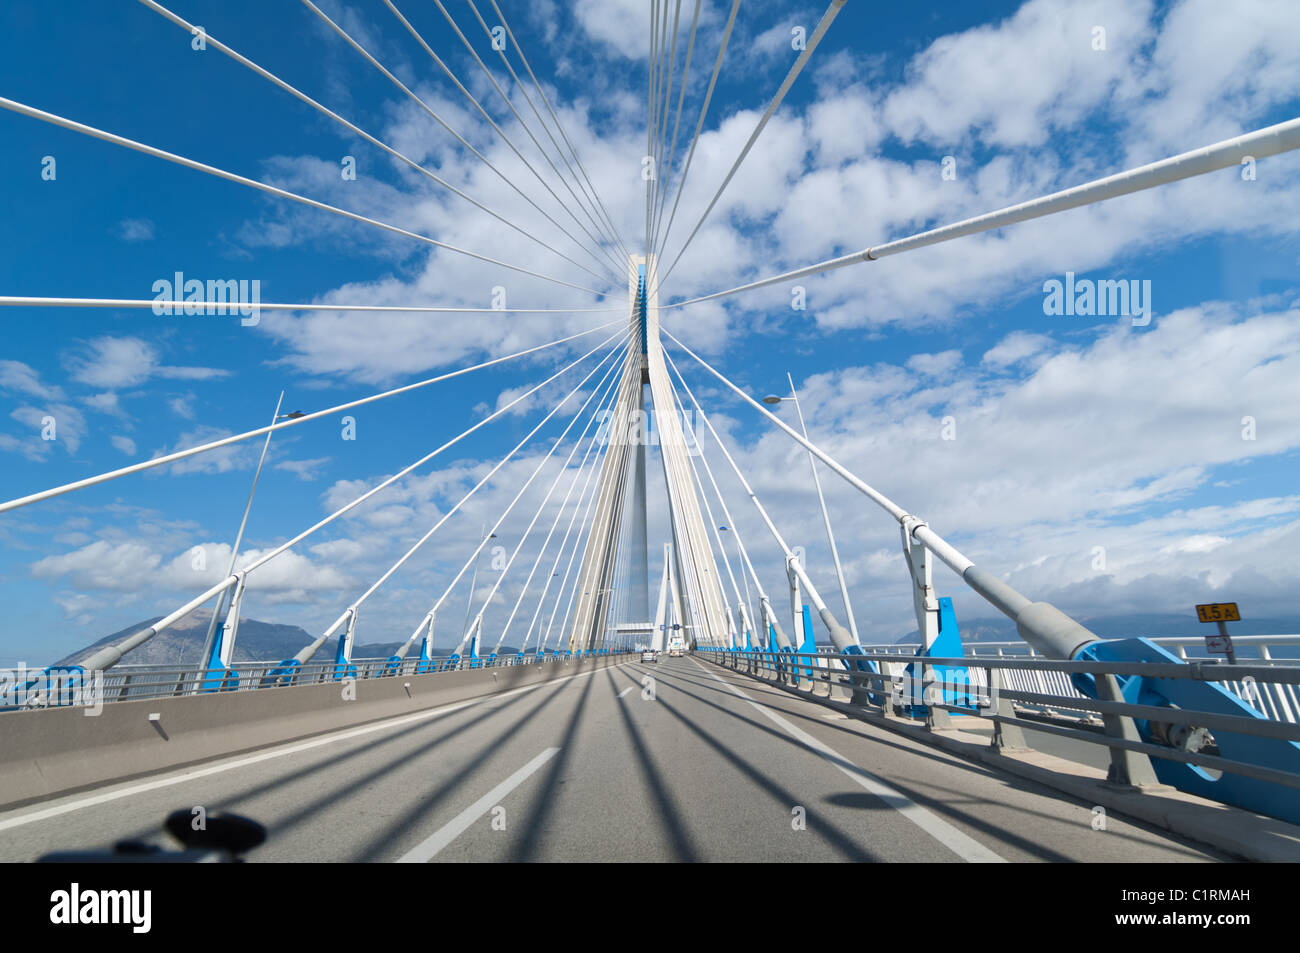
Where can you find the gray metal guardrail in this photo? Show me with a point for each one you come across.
(933, 691)
(32, 689)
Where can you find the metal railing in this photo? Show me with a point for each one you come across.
(986, 693)
(125, 682)
(1277, 700)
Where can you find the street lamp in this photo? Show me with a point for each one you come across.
(773, 399)
(469, 600)
(210, 640)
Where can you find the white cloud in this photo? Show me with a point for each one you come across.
(1016, 347)
(621, 25)
(64, 422)
(24, 379)
(303, 469)
(105, 403)
(182, 406)
(1100, 444)
(124, 444)
(235, 456)
(135, 230)
(117, 362)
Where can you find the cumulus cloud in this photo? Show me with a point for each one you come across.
(117, 362)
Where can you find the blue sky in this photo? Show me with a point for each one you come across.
(1071, 432)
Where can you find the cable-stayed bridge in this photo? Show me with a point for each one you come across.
(594, 737)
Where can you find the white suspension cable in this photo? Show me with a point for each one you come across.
(217, 306)
(717, 533)
(324, 110)
(523, 125)
(704, 109)
(607, 230)
(672, 148)
(609, 395)
(109, 655)
(133, 144)
(249, 434)
(564, 583)
(826, 516)
(658, 20)
(1269, 141)
(792, 561)
(501, 519)
(518, 47)
(822, 26)
(360, 600)
(935, 543)
(348, 38)
(419, 38)
(662, 111)
(577, 476)
(577, 507)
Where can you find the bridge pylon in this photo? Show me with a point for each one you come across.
(628, 430)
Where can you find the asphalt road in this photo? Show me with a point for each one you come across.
(714, 767)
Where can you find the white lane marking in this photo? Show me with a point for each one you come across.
(626, 690)
(45, 813)
(961, 844)
(428, 848)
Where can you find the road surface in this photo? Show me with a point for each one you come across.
(695, 764)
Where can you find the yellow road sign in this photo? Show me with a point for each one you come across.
(1218, 612)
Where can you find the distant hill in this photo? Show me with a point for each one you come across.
(182, 643)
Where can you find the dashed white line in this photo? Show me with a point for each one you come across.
(961, 844)
(428, 848)
(626, 690)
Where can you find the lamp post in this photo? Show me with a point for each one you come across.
(821, 498)
(209, 642)
(469, 600)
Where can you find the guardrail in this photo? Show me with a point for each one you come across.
(1276, 700)
(987, 694)
(72, 686)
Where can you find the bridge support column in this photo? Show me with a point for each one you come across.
(1006, 737)
(1127, 768)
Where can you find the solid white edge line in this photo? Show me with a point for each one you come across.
(428, 848)
(961, 844)
(10, 823)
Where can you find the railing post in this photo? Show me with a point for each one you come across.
(935, 717)
(1006, 737)
(1129, 768)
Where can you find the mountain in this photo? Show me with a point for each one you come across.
(182, 643)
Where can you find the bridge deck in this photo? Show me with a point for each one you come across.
(711, 769)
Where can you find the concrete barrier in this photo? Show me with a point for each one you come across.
(60, 750)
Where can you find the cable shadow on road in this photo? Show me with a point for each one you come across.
(839, 840)
(527, 846)
(669, 814)
(777, 733)
(955, 761)
(234, 802)
(405, 827)
(942, 808)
